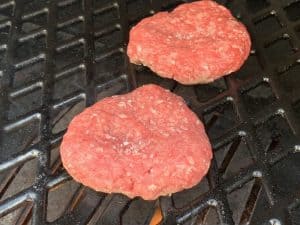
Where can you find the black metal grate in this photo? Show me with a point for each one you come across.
(59, 56)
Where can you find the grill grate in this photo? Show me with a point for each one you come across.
(57, 57)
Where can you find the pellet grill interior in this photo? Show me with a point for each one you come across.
(57, 57)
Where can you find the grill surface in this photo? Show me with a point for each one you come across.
(57, 57)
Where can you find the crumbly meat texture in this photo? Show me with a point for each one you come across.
(195, 43)
(146, 143)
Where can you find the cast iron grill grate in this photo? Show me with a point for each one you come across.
(57, 57)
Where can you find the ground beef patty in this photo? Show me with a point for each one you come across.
(195, 43)
(146, 143)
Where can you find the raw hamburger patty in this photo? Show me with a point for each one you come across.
(146, 143)
(195, 43)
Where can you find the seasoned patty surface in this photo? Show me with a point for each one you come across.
(146, 143)
(195, 43)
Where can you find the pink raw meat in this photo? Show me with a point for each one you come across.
(195, 43)
(146, 143)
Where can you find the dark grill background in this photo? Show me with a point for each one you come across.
(57, 57)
